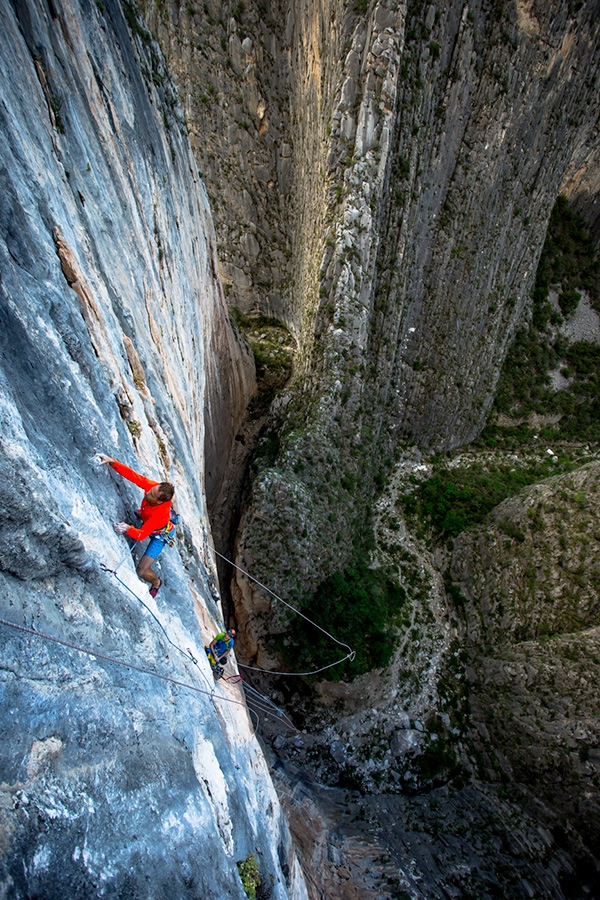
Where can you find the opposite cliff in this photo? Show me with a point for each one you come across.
(382, 175)
(123, 770)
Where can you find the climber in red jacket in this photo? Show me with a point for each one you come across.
(155, 513)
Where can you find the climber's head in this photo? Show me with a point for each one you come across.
(160, 493)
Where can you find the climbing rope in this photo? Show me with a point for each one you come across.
(189, 656)
(231, 679)
(313, 672)
(111, 659)
(349, 656)
(95, 654)
(263, 704)
(266, 704)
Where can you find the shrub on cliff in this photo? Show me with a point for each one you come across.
(569, 259)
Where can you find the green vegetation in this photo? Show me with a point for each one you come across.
(271, 342)
(438, 762)
(454, 499)
(569, 301)
(567, 259)
(273, 347)
(135, 428)
(250, 875)
(361, 607)
(56, 105)
(132, 14)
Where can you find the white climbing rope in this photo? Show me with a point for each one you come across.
(349, 656)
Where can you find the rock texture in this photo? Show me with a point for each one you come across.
(450, 135)
(382, 176)
(452, 842)
(232, 70)
(469, 766)
(530, 617)
(124, 771)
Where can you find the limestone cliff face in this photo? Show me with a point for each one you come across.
(383, 175)
(232, 73)
(450, 134)
(123, 770)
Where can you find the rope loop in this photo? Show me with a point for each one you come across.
(351, 655)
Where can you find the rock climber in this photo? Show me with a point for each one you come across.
(157, 517)
(219, 647)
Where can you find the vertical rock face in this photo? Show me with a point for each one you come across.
(123, 770)
(450, 134)
(232, 70)
(503, 112)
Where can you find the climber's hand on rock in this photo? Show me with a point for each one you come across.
(121, 527)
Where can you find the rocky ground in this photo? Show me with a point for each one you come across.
(468, 767)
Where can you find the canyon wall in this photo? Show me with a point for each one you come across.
(383, 176)
(451, 132)
(124, 769)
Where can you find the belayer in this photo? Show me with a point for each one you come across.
(158, 519)
(218, 649)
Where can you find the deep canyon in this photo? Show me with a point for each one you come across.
(330, 268)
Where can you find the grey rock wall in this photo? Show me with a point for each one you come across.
(382, 177)
(139, 780)
(452, 131)
(231, 64)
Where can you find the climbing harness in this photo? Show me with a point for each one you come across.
(217, 668)
(168, 534)
(349, 656)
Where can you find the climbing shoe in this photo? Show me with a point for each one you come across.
(154, 590)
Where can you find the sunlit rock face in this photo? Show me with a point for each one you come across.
(114, 780)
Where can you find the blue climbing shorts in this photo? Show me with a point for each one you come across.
(154, 548)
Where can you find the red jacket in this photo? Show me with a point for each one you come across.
(153, 517)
